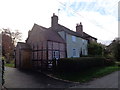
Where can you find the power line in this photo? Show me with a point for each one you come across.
(86, 18)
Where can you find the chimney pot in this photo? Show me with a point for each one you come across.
(54, 21)
(79, 29)
(80, 23)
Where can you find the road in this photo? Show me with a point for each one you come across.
(108, 81)
(15, 78)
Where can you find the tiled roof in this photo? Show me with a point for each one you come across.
(63, 28)
(47, 34)
(87, 36)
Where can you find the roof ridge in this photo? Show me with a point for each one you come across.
(40, 26)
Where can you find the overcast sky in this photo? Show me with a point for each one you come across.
(99, 17)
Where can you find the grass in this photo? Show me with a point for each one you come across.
(11, 64)
(87, 75)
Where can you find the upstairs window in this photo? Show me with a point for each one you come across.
(83, 40)
(74, 38)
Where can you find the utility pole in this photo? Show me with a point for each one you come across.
(58, 12)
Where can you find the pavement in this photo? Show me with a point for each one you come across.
(15, 78)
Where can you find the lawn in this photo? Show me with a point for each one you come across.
(86, 75)
(11, 64)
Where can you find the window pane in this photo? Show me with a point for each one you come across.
(73, 38)
(74, 52)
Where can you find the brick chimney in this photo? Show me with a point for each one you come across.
(79, 29)
(54, 21)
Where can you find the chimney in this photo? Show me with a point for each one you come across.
(54, 21)
(79, 29)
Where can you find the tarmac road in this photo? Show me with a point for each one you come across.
(15, 78)
(108, 81)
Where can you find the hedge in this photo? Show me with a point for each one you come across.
(80, 64)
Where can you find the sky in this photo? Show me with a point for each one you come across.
(99, 17)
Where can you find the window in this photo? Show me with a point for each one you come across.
(56, 54)
(83, 52)
(35, 55)
(83, 40)
(74, 52)
(73, 38)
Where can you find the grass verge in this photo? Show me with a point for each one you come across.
(11, 64)
(86, 75)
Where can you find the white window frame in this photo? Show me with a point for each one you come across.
(56, 54)
(74, 52)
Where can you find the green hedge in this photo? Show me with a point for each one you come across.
(79, 64)
(109, 62)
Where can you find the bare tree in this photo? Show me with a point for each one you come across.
(9, 39)
(16, 35)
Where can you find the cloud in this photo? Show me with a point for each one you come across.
(99, 17)
(22, 14)
(102, 6)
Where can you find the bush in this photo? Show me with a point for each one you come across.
(95, 49)
(83, 63)
(79, 64)
(109, 62)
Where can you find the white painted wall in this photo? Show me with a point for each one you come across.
(74, 45)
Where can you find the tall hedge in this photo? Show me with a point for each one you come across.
(79, 64)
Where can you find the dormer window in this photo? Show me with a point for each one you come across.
(74, 38)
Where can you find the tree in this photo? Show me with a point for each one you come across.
(95, 49)
(116, 48)
(7, 47)
(9, 39)
(16, 35)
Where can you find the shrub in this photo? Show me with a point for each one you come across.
(79, 64)
(95, 49)
(109, 62)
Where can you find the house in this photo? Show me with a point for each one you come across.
(45, 44)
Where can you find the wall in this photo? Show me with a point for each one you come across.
(80, 45)
(17, 57)
(26, 59)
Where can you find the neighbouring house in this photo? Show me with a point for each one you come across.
(45, 44)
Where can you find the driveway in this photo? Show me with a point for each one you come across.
(15, 78)
(108, 81)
